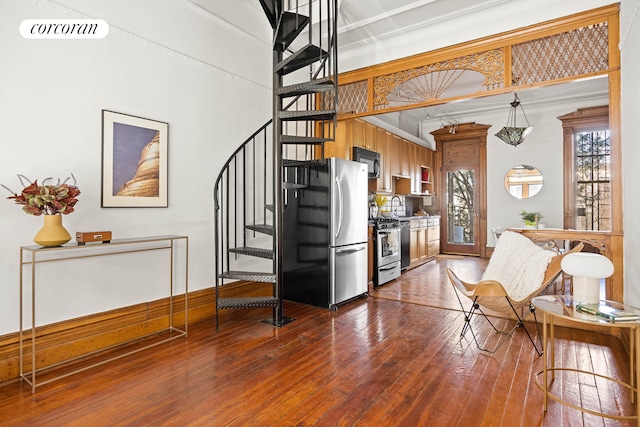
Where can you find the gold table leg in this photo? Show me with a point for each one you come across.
(545, 354)
(636, 342)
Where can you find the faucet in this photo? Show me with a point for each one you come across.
(395, 207)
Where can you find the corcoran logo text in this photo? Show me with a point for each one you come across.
(64, 29)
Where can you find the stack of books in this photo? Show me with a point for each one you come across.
(607, 312)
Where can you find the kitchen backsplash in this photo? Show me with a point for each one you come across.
(402, 205)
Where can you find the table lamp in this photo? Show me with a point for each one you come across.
(587, 269)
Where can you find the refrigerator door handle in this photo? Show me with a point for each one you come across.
(339, 200)
(349, 251)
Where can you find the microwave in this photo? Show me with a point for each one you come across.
(369, 158)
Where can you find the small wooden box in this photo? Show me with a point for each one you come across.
(83, 237)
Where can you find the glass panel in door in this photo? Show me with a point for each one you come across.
(461, 216)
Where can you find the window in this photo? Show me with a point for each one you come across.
(587, 164)
(593, 180)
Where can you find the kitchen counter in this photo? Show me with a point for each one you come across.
(406, 218)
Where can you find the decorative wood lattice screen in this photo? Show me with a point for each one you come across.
(574, 53)
(579, 52)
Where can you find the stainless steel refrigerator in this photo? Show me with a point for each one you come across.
(325, 233)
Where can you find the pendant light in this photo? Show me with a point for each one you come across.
(511, 133)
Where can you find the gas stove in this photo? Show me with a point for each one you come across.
(383, 223)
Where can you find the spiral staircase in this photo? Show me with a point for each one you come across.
(252, 189)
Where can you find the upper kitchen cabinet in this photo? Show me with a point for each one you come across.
(358, 137)
(426, 172)
(342, 145)
(402, 163)
(394, 151)
(384, 147)
(370, 137)
(364, 135)
(406, 159)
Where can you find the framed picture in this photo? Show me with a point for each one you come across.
(134, 161)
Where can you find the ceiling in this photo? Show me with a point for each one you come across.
(385, 18)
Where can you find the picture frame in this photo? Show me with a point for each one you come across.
(134, 161)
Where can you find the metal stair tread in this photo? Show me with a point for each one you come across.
(269, 10)
(290, 163)
(290, 26)
(253, 251)
(255, 276)
(261, 228)
(307, 140)
(307, 115)
(293, 186)
(247, 302)
(324, 84)
(301, 58)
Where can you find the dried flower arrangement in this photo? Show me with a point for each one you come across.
(46, 199)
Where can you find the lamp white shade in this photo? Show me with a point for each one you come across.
(585, 264)
(587, 269)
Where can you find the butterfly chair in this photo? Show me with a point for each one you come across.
(518, 271)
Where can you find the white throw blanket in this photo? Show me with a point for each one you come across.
(518, 264)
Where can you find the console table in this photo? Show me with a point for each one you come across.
(562, 307)
(34, 255)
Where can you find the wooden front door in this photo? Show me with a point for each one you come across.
(462, 164)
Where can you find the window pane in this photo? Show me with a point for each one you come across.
(593, 173)
(460, 190)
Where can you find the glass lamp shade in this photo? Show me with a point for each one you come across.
(514, 135)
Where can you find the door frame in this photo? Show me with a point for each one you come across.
(466, 147)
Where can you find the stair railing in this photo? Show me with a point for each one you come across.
(241, 195)
(248, 191)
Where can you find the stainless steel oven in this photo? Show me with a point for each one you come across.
(387, 251)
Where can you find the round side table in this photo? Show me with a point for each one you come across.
(563, 307)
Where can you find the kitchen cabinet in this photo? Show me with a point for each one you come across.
(358, 134)
(425, 240)
(394, 151)
(425, 177)
(401, 162)
(370, 137)
(422, 241)
(363, 134)
(433, 237)
(384, 147)
(414, 251)
(406, 154)
(426, 173)
(342, 146)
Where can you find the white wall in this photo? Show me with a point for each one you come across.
(629, 47)
(164, 60)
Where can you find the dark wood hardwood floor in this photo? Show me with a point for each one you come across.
(394, 358)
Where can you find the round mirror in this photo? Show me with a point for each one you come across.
(523, 181)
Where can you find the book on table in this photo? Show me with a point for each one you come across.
(608, 312)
